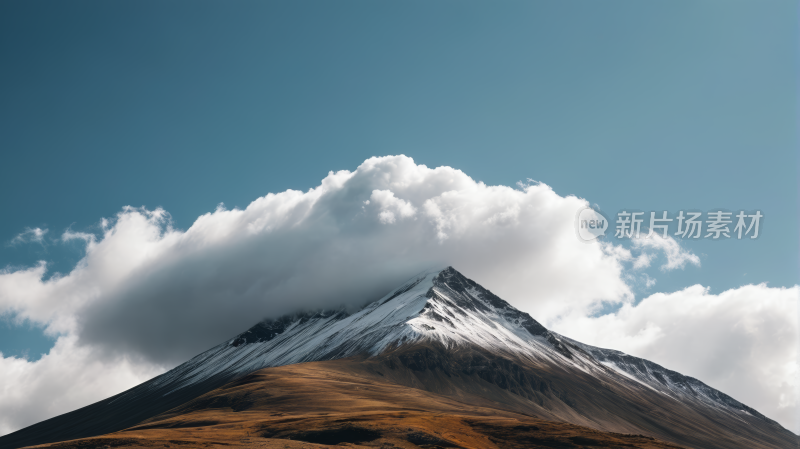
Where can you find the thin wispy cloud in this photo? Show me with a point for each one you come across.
(677, 256)
(30, 235)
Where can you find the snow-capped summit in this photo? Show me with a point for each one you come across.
(440, 306)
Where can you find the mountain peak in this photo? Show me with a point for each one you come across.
(470, 295)
(440, 306)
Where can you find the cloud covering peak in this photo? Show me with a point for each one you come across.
(149, 296)
(346, 242)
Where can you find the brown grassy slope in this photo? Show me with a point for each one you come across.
(318, 404)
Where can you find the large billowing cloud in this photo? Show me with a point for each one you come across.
(147, 297)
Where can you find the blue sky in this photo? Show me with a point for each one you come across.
(184, 105)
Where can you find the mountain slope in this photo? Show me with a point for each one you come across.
(444, 333)
(318, 404)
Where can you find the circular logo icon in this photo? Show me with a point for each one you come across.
(590, 224)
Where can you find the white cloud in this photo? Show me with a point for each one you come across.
(67, 378)
(85, 236)
(390, 207)
(677, 257)
(347, 241)
(743, 341)
(648, 281)
(30, 235)
(642, 261)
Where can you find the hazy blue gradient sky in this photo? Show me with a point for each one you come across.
(185, 104)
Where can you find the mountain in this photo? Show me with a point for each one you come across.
(444, 334)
